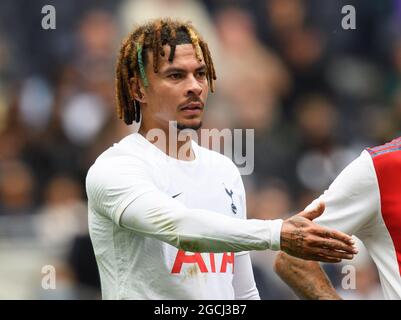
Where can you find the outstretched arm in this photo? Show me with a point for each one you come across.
(157, 215)
(306, 278)
(126, 194)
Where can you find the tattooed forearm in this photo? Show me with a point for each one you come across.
(306, 278)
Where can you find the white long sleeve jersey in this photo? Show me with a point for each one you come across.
(162, 228)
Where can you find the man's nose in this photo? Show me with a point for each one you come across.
(194, 87)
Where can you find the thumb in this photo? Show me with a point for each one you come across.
(313, 213)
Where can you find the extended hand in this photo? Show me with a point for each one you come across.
(302, 238)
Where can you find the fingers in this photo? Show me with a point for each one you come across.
(326, 255)
(324, 259)
(325, 243)
(314, 213)
(322, 255)
(334, 234)
(335, 240)
(304, 239)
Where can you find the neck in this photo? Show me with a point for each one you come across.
(175, 143)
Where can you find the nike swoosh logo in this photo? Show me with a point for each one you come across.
(176, 195)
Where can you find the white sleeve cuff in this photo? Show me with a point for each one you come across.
(275, 227)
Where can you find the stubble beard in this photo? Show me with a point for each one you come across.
(181, 126)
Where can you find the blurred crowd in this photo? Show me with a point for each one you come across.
(315, 94)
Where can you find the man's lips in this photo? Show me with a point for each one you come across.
(192, 106)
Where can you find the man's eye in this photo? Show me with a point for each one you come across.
(175, 76)
(202, 74)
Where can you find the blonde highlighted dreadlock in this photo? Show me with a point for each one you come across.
(132, 60)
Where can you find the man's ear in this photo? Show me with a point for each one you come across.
(137, 90)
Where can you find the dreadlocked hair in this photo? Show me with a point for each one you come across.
(132, 60)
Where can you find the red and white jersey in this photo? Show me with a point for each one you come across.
(365, 201)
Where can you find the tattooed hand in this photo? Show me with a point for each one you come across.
(302, 238)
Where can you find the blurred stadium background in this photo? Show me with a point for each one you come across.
(316, 95)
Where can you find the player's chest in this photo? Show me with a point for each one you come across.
(208, 190)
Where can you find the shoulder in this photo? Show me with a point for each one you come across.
(386, 156)
(131, 145)
(352, 200)
(358, 175)
(127, 149)
(118, 160)
(393, 146)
